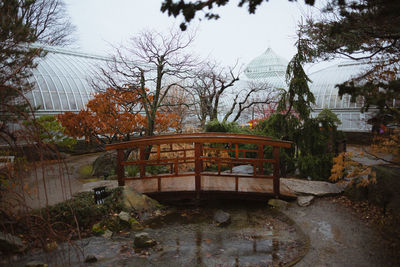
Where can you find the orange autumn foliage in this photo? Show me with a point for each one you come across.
(113, 115)
(345, 165)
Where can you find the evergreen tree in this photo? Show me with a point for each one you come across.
(190, 8)
(24, 22)
(367, 31)
(298, 96)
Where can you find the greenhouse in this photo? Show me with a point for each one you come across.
(62, 83)
(270, 68)
(62, 80)
(327, 96)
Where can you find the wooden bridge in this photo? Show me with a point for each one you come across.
(201, 165)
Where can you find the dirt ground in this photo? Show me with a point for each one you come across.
(52, 182)
(338, 237)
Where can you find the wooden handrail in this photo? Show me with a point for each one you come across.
(198, 142)
(201, 138)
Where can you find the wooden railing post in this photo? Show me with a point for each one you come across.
(276, 171)
(198, 152)
(260, 158)
(142, 157)
(120, 168)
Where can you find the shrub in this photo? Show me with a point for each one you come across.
(223, 127)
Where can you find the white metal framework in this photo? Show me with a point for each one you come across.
(62, 80)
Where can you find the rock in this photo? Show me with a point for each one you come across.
(36, 264)
(10, 243)
(138, 202)
(135, 225)
(243, 169)
(278, 204)
(107, 234)
(104, 164)
(90, 259)
(124, 216)
(142, 240)
(222, 218)
(304, 201)
(315, 188)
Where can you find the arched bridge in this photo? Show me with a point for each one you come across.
(201, 165)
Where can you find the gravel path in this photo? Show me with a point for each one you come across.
(338, 237)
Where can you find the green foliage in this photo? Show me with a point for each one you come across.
(328, 119)
(157, 169)
(50, 131)
(84, 209)
(315, 143)
(298, 96)
(132, 170)
(281, 127)
(223, 127)
(97, 229)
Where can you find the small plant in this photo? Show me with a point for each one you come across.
(132, 170)
(97, 229)
(344, 167)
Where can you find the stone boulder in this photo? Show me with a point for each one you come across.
(124, 216)
(139, 202)
(104, 164)
(142, 240)
(246, 169)
(278, 204)
(107, 234)
(10, 243)
(222, 218)
(304, 201)
(315, 188)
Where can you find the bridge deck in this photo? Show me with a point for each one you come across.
(190, 155)
(211, 183)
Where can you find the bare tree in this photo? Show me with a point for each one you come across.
(151, 65)
(255, 94)
(22, 23)
(177, 101)
(214, 85)
(208, 87)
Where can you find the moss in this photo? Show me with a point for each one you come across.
(85, 170)
(97, 229)
(135, 225)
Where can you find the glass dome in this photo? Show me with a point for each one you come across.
(62, 80)
(269, 67)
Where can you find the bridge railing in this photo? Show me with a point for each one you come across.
(199, 150)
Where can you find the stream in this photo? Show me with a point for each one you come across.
(188, 236)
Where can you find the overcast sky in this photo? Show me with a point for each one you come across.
(236, 35)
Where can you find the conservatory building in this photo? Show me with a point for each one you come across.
(269, 68)
(62, 80)
(63, 83)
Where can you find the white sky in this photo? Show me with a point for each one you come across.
(236, 35)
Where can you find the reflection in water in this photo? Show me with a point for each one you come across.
(198, 239)
(177, 246)
(256, 236)
(275, 250)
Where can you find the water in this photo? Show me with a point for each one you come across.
(257, 236)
